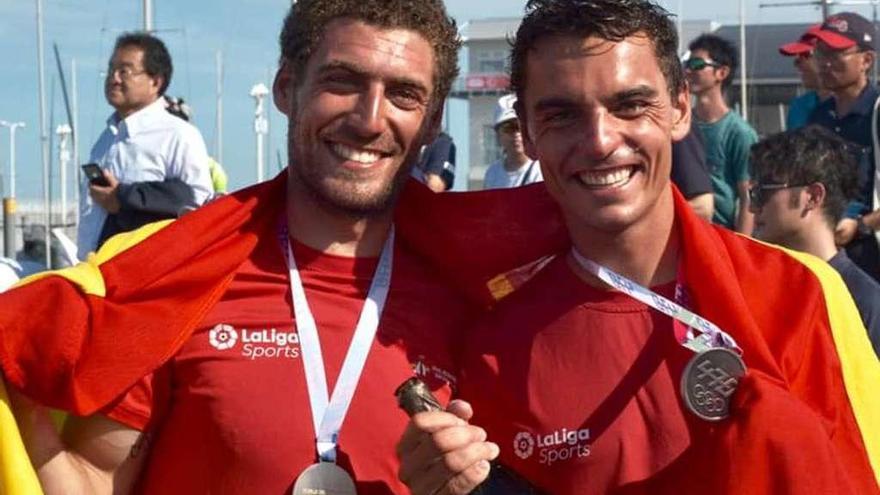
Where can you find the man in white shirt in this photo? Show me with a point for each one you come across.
(154, 164)
(9, 271)
(515, 168)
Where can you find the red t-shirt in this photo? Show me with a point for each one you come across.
(579, 386)
(230, 412)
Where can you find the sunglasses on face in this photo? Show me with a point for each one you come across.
(760, 193)
(697, 63)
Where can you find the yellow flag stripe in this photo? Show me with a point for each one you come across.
(87, 275)
(17, 475)
(860, 366)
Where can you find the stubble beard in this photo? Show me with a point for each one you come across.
(354, 198)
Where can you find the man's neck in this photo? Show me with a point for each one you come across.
(817, 240)
(332, 231)
(711, 106)
(845, 98)
(513, 163)
(123, 114)
(823, 94)
(646, 252)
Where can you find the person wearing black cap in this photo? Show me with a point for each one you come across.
(845, 53)
(800, 108)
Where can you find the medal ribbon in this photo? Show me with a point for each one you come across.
(328, 414)
(710, 335)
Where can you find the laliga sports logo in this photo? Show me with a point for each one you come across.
(223, 337)
(523, 445)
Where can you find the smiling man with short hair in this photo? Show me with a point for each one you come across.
(616, 368)
(254, 345)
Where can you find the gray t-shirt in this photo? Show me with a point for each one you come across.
(498, 177)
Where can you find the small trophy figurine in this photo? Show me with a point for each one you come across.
(413, 396)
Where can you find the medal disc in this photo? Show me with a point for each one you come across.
(709, 381)
(324, 478)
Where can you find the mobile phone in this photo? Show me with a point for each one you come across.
(94, 174)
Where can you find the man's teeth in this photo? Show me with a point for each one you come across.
(613, 177)
(355, 155)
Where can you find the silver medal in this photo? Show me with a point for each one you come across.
(709, 381)
(324, 478)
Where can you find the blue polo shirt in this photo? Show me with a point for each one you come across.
(856, 128)
(800, 109)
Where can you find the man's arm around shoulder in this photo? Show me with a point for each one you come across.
(93, 455)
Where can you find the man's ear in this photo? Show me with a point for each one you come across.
(283, 89)
(528, 143)
(681, 115)
(816, 194)
(723, 73)
(868, 60)
(157, 82)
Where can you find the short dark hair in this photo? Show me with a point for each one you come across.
(721, 51)
(806, 156)
(307, 19)
(157, 60)
(612, 20)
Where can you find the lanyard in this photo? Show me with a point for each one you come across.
(328, 414)
(702, 333)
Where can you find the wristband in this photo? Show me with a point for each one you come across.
(862, 227)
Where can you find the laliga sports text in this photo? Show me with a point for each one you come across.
(256, 344)
(550, 448)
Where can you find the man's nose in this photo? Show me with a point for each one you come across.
(601, 135)
(114, 74)
(370, 114)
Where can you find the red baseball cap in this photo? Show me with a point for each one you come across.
(805, 44)
(847, 29)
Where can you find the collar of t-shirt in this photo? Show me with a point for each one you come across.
(145, 118)
(315, 261)
(518, 170)
(863, 105)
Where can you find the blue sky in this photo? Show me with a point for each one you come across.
(245, 30)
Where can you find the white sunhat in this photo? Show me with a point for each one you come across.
(504, 109)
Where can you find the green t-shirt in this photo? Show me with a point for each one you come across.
(728, 143)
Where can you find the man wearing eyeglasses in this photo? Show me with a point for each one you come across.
(515, 168)
(142, 144)
(845, 53)
(727, 137)
(800, 108)
(803, 182)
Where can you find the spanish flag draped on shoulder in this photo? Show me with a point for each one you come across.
(809, 415)
(76, 339)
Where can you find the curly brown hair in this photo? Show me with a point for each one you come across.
(307, 19)
(612, 20)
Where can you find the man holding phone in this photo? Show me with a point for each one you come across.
(147, 164)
